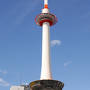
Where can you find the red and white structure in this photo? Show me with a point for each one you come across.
(45, 20)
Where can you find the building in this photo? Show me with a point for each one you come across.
(21, 87)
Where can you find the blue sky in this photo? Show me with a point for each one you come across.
(20, 43)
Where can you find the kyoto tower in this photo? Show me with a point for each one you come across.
(46, 82)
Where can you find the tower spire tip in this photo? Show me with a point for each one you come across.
(45, 3)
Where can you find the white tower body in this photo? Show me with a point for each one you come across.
(46, 69)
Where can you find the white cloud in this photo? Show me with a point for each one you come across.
(55, 42)
(4, 83)
(67, 63)
(3, 71)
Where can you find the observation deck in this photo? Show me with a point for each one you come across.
(46, 17)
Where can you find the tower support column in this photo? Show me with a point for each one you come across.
(46, 68)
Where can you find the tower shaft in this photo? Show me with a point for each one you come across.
(45, 68)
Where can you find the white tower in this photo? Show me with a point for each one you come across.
(46, 20)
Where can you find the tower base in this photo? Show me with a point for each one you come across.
(46, 85)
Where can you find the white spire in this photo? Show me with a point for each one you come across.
(45, 2)
(45, 10)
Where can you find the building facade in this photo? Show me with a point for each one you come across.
(21, 87)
